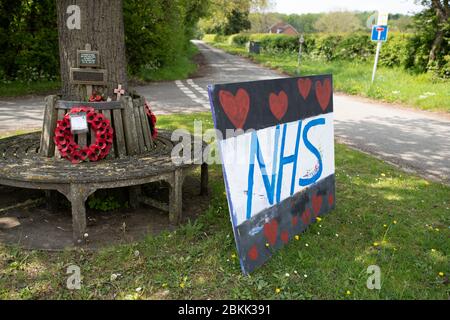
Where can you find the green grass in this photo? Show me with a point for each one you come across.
(406, 216)
(392, 84)
(182, 68)
(21, 88)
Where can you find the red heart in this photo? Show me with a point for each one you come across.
(323, 93)
(306, 217)
(271, 231)
(330, 200)
(235, 107)
(253, 253)
(317, 204)
(304, 86)
(278, 104)
(285, 237)
(295, 221)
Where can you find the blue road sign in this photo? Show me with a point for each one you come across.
(379, 33)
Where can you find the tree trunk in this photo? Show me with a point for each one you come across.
(442, 11)
(101, 26)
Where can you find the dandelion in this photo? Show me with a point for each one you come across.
(267, 245)
(395, 221)
(319, 219)
(348, 292)
(385, 225)
(182, 285)
(277, 290)
(164, 285)
(433, 250)
(297, 237)
(306, 245)
(337, 235)
(441, 274)
(376, 244)
(383, 175)
(233, 256)
(437, 229)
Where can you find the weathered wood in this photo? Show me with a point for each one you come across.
(82, 139)
(137, 118)
(129, 123)
(112, 152)
(145, 128)
(109, 105)
(134, 194)
(51, 200)
(155, 204)
(47, 145)
(120, 135)
(176, 197)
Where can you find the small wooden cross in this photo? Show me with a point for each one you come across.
(119, 92)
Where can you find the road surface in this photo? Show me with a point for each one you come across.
(414, 140)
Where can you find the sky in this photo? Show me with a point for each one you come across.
(314, 6)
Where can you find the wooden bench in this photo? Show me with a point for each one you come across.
(32, 161)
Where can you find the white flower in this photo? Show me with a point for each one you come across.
(137, 253)
(287, 275)
(138, 289)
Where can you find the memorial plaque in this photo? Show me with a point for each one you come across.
(88, 77)
(87, 58)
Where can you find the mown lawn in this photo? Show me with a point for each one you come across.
(392, 84)
(23, 88)
(384, 217)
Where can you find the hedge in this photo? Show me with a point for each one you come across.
(399, 50)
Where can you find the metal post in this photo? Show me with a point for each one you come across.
(301, 41)
(376, 60)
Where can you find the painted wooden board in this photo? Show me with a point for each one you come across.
(279, 166)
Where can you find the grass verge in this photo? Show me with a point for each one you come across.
(179, 69)
(20, 88)
(392, 84)
(384, 217)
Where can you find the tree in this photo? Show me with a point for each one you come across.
(100, 24)
(339, 21)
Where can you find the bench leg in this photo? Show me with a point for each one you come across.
(176, 197)
(134, 194)
(51, 199)
(204, 180)
(77, 194)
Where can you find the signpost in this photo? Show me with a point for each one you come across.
(301, 41)
(379, 34)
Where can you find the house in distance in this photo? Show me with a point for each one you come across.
(283, 28)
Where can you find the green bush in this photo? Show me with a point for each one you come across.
(239, 39)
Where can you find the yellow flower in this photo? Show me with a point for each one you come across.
(437, 229)
(348, 292)
(164, 285)
(233, 256)
(441, 274)
(267, 245)
(433, 250)
(376, 244)
(318, 219)
(182, 285)
(277, 290)
(297, 237)
(395, 221)
(383, 175)
(385, 225)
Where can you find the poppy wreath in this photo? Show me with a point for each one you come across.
(151, 116)
(98, 150)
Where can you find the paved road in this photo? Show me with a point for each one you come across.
(415, 140)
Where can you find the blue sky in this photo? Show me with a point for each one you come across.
(308, 6)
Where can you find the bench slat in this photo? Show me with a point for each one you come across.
(129, 122)
(119, 133)
(47, 145)
(107, 114)
(145, 127)
(138, 126)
